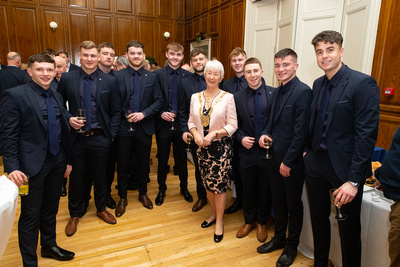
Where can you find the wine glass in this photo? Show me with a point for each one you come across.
(339, 215)
(81, 116)
(172, 122)
(268, 144)
(189, 139)
(127, 113)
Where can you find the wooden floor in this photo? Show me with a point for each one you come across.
(169, 235)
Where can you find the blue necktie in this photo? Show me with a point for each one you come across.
(201, 85)
(175, 81)
(320, 118)
(136, 92)
(52, 125)
(258, 114)
(87, 100)
(238, 86)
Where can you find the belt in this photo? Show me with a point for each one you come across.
(93, 132)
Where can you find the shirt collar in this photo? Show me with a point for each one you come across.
(336, 78)
(40, 90)
(289, 84)
(93, 75)
(132, 71)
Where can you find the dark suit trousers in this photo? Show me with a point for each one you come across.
(165, 137)
(286, 199)
(91, 156)
(140, 143)
(112, 160)
(39, 208)
(256, 187)
(236, 171)
(201, 191)
(320, 177)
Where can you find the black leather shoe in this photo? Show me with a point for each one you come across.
(287, 257)
(63, 190)
(160, 198)
(270, 246)
(110, 202)
(206, 224)
(237, 205)
(57, 253)
(186, 195)
(83, 209)
(218, 238)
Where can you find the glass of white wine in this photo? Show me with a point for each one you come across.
(172, 122)
(81, 116)
(268, 144)
(189, 139)
(127, 113)
(339, 215)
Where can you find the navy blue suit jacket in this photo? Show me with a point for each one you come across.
(289, 127)
(230, 85)
(150, 98)
(23, 132)
(352, 127)
(108, 101)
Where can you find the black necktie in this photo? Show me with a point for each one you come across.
(54, 145)
(136, 92)
(201, 85)
(174, 104)
(258, 114)
(238, 86)
(87, 100)
(323, 103)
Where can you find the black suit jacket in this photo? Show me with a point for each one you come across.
(150, 98)
(10, 77)
(163, 79)
(352, 127)
(108, 102)
(73, 67)
(230, 84)
(23, 131)
(289, 127)
(245, 126)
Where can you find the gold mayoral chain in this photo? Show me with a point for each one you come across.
(205, 119)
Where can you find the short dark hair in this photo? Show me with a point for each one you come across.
(105, 44)
(63, 52)
(49, 52)
(195, 52)
(286, 52)
(40, 58)
(134, 43)
(252, 60)
(328, 37)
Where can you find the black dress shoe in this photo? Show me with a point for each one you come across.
(63, 190)
(186, 195)
(83, 209)
(206, 224)
(160, 198)
(110, 202)
(287, 257)
(57, 253)
(237, 205)
(270, 246)
(218, 238)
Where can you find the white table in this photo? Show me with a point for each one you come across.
(374, 233)
(8, 207)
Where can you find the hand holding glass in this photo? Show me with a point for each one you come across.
(127, 113)
(23, 190)
(189, 139)
(81, 116)
(268, 144)
(339, 215)
(173, 119)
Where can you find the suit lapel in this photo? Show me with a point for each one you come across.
(128, 86)
(283, 102)
(32, 98)
(99, 88)
(166, 83)
(143, 85)
(246, 110)
(77, 89)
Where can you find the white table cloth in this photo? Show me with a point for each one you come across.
(8, 207)
(374, 232)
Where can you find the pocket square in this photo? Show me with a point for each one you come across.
(344, 101)
(105, 91)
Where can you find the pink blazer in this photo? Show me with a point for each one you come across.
(223, 115)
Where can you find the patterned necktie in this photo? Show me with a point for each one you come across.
(87, 100)
(54, 145)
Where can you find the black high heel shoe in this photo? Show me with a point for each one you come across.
(206, 224)
(218, 238)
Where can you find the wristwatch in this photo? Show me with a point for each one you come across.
(353, 183)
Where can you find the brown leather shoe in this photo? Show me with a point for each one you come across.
(245, 230)
(146, 201)
(71, 227)
(120, 210)
(201, 202)
(107, 217)
(261, 232)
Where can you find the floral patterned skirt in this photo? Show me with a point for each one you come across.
(215, 164)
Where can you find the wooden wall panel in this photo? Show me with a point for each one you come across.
(102, 29)
(238, 12)
(196, 7)
(180, 9)
(196, 26)
(214, 49)
(214, 22)
(54, 39)
(204, 24)
(165, 10)
(145, 8)
(189, 31)
(5, 46)
(225, 39)
(146, 35)
(78, 24)
(53, 3)
(124, 6)
(125, 25)
(101, 5)
(189, 9)
(78, 4)
(26, 31)
(180, 36)
(163, 26)
(204, 5)
(213, 3)
(24, 1)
